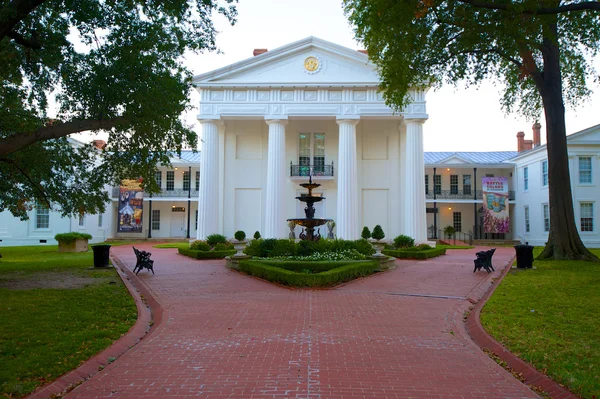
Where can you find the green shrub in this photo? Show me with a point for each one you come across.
(199, 245)
(223, 246)
(423, 247)
(68, 238)
(283, 247)
(239, 235)
(256, 235)
(214, 239)
(366, 233)
(448, 231)
(302, 279)
(299, 265)
(413, 253)
(378, 233)
(271, 247)
(206, 254)
(403, 241)
(253, 248)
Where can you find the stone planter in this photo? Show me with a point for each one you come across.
(378, 246)
(239, 246)
(79, 245)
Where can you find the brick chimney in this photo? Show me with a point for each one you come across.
(536, 134)
(99, 144)
(520, 141)
(364, 52)
(259, 51)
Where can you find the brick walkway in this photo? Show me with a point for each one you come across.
(225, 335)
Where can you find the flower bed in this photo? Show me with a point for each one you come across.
(206, 254)
(415, 253)
(306, 273)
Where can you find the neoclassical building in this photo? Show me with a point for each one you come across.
(310, 107)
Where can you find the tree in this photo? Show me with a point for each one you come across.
(537, 48)
(105, 65)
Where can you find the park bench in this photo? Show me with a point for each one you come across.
(143, 261)
(484, 260)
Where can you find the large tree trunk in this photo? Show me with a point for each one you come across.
(563, 240)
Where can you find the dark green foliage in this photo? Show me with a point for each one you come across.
(206, 254)
(92, 65)
(283, 247)
(423, 247)
(366, 233)
(214, 239)
(239, 235)
(403, 241)
(378, 233)
(312, 266)
(449, 231)
(223, 246)
(68, 238)
(302, 279)
(414, 253)
(256, 235)
(199, 245)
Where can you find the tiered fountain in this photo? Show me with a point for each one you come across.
(309, 222)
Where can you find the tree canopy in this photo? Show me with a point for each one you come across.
(538, 49)
(116, 66)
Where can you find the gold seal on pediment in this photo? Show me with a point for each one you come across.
(311, 64)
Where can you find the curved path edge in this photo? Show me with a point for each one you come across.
(530, 375)
(150, 314)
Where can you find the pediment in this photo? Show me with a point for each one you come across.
(454, 159)
(286, 66)
(588, 136)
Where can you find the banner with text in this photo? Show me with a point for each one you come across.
(495, 204)
(131, 200)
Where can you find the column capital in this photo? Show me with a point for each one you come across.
(408, 120)
(346, 120)
(279, 121)
(217, 122)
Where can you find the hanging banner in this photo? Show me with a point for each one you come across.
(495, 204)
(131, 200)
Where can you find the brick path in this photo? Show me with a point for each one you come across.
(225, 335)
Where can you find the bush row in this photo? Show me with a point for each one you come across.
(206, 254)
(68, 238)
(414, 253)
(324, 279)
(313, 266)
(266, 248)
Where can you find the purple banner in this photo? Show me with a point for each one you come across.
(495, 205)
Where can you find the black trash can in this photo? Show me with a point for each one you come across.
(101, 253)
(524, 256)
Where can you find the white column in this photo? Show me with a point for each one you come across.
(413, 198)
(347, 193)
(276, 174)
(208, 193)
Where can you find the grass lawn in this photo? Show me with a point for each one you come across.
(550, 317)
(454, 246)
(55, 313)
(182, 245)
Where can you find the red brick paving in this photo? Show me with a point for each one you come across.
(398, 334)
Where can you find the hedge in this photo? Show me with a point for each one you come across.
(299, 265)
(206, 254)
(410, 253)
(324, 279)
(68, 238)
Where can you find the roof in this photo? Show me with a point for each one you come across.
(187, 156)
(480, 158)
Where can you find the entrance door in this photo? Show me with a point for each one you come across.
(178, 224)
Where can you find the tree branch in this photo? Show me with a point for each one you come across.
(586, 5)
(34, 184)
(19, 39)
(493, 51)
(20, 140)
(15, 11)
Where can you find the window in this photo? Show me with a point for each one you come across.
(526, 219)
(437, 184)
(457, 221)
(544, 173)
(426, 184)
(525, 178)
(186, 180)
(158, 177)
(453, 184)
(42, 216)
(81, 219)
(197, 180)
(311, 152)
(489, 175)
(587, 216)
(170, 180)
(467, 184)
(100, 220)
(585, 170)
(155, 219)
(546, 212)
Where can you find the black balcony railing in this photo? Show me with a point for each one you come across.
(311, 170)
(460, 195)
(176, 193)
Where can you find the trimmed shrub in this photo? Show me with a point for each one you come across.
(403, 241)
(206, 254)
(413, 253)
(199, 245)
(366, 233)
(68, 238)
(378, 233)
(223, 246)
(271, 247)
(302, 279)
(215, 239)
(423, 247)
(283, 247)
(239, 235)
(256, 235)
(449, 231)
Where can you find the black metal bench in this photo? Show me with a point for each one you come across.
(143, 261)
(484, 260)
